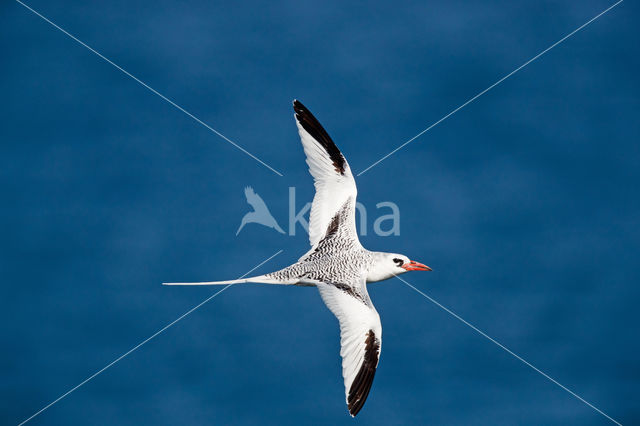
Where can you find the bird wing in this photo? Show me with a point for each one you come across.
(331, 173)
(360, 338)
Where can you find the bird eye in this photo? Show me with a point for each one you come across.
(398, 262)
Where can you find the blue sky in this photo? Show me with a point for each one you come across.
(525, 203)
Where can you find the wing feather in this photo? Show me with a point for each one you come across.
(331, 173)
(360, 341)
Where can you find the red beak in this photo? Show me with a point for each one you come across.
(416, 266)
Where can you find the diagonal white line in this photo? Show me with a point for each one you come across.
(510, 352)
(145, 85)
(144, 341)
(491, 87)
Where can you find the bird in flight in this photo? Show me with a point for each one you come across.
(337, 264)
(260, 213)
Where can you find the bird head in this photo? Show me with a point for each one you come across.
(386, 265)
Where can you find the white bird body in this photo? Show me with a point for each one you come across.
(337, 264)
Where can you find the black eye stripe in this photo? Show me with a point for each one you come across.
(399, 262)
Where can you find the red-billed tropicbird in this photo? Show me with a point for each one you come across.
(337, 264)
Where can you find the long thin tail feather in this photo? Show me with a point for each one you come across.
(259, 279)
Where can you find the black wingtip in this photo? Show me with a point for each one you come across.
(317, 132)
(299, 107)
(364, 379)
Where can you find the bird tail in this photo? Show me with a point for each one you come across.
(265, 279)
